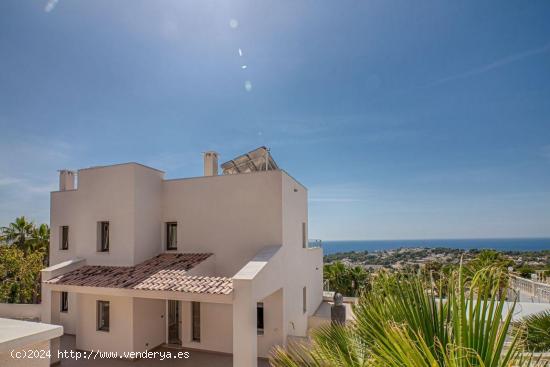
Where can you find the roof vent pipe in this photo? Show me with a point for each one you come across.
(66, 180)
(210, 163)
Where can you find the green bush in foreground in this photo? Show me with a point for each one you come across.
(399, 322)
(537, 331)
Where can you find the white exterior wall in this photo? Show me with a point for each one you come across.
(149, 323)
(304, 267)
(232, 216)
(6, 359)
(148, 200)
(216, 327)
(66, 319)
(273, 324)
(119, 338)
(126, 195)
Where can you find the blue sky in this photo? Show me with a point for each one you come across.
(424, 119)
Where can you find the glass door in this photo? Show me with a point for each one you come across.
(174, 322)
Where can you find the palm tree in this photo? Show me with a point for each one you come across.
(17, 233)
(349, 281)
(40, 241)
(399, 323)
(537, 331)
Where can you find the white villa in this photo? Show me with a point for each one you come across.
(216, 263)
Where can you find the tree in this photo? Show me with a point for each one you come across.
(27, 237)
(18, 233)
(19, 275)
(537, 331)
(525, 271)
(40, 241)
(399, 324)
(489, 258)
(349, 281)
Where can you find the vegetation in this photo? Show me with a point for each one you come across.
(399, 323)
(24, 250)
(536, 329)
(347, 280)
(443, 260)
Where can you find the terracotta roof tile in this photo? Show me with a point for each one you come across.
(165, 272)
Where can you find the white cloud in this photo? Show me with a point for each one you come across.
(50, 5)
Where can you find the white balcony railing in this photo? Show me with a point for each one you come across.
(540, 292)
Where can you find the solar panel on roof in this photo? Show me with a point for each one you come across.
(256, 160)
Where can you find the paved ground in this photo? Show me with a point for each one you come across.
(196, 359)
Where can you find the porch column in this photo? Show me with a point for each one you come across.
(245, 338)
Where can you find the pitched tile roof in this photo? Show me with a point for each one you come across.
(165, 272)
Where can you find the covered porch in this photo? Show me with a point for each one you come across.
(196, 358)
(159, 305)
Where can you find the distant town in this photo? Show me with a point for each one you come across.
(523, 262)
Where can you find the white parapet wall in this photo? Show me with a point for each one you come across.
(28, 344)
(21, 311)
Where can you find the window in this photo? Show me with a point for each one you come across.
(260, 318)
(64, 302)
(304, 235)
(103, 236)
(304, 300)
(171, 236)
(103, 315)
(64, 245)
(196, 320)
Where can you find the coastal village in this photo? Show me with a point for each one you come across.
(528, 263)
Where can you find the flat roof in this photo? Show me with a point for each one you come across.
(16, 333)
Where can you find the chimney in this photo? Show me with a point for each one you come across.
(210, 163)
(66, 180)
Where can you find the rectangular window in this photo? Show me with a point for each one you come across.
(304, 300)
(260, 318)
(304, 235)
(103, 315)
(171, 235)
(64, 245)
(196, 320)
(103, 236)
(64, 302)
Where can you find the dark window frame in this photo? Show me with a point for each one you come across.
(64, 302)
(260, 318)
(104, 236)
(196, 322)
(171, 226)
(103, 316)
(64, 234)
(304, 300)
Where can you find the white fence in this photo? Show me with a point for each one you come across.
(20, 311)
(539, 292)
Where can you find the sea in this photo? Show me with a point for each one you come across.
(501, 244)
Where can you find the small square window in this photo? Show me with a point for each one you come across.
(103, 315)
(103, 236)
(64, 236)
(64, 302)
(172, 236)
